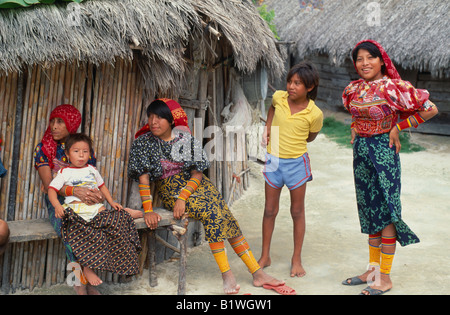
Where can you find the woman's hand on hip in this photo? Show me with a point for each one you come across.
(394, 139)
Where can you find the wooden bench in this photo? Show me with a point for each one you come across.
(41, 229)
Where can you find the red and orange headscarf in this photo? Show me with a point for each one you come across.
(72, 119)
(179, 117)
(413, 99)
(390, 68)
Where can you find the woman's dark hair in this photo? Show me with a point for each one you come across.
(161, 109)
(77, 137)
(372, 49)
(309, 76)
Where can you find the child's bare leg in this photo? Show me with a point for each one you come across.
(135, 214)
(298, 218)
(91, 276)
(270, 213)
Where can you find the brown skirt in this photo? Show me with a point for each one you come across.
(109, 242)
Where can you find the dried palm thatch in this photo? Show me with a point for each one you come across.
(100, 31)
(414, 33)
(251, 39)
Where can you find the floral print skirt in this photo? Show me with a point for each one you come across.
(205, 204)
(377, 173)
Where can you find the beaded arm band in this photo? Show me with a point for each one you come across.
(193, 183)
(146, 197)
(407, 123)
(68, 191)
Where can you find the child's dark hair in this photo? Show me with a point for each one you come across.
(77, 137)
(372, 49)
(161, 109)
(309, 76)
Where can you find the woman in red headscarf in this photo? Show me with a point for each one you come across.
(49, 157)
(382, 105)
(166, 153)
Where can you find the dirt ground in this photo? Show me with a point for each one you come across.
(334, 248)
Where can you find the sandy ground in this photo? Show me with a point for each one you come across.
(334, 248)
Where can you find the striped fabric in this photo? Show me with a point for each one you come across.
(109, 242)
(242, 249)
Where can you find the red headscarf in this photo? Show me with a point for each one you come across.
(390, 68)
(72, 119)
(179, 117)
(412, 98)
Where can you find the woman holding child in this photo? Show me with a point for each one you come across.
(51, 158)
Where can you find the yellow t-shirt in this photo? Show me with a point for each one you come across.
(289, 132)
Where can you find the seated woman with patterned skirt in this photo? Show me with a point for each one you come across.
(166, 153)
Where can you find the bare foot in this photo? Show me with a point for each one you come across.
(384, 284)
(135, 214)
(260, 278)
(297, 269)
(264, 262)
(229, 283)
(91, 276)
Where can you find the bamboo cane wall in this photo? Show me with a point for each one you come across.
(111, 100)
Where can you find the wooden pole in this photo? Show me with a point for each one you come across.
(152, 258)
(15, 164)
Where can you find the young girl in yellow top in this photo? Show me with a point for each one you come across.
(293, 120)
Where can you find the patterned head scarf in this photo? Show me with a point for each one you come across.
(72, 119)
(390, 68)
(411, 99)
(179, 117)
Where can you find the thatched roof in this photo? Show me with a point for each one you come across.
(100, 31)
(414, 33)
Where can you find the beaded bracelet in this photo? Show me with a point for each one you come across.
(186, 193)
(68, 191)
(407, 123)
(146, 197)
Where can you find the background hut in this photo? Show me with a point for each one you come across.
(110, 59)
(414, 33)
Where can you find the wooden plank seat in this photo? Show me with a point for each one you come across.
(41, 229)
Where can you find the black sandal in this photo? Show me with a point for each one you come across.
(353, 281)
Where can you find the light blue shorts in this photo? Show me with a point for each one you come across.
(290, 172)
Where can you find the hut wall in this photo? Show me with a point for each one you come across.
(111, 99)
(440, 94)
